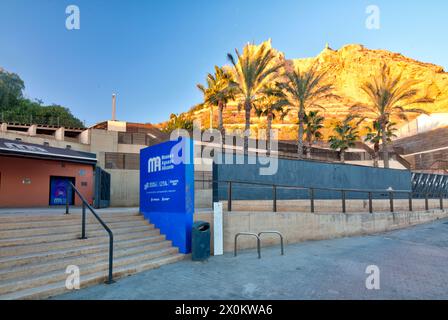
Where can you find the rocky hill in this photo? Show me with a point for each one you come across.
(349, 67)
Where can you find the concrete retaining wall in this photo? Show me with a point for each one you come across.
(298, 227)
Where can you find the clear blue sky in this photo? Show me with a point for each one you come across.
(152, 53)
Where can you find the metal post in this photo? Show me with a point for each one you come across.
(279, 234)
(251, 235)
(229, 197)
(344, 209)
(83, 236)
(441, 201)
(370, 203)
(110, 279)
(282, 245)
(410, 201)
(312, 200)
(66, 206)
(391, 201)
(426, 202)
(274, 197)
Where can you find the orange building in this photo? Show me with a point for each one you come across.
(38, 176)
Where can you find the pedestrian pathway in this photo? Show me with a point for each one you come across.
(412, 265)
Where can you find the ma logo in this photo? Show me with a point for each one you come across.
(154, 164)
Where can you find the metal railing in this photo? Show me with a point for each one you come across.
(251, 235)
(390, 194)
(277, 233)
(258, 237)
(85, 205)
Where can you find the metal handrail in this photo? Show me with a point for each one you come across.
(274, 232)
(248, 234)
(307, 188)
(103, 224)
(343, 192)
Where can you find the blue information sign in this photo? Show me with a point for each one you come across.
(167, 189)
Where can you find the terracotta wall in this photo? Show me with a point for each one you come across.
(36, 193)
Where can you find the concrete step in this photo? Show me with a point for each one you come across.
(67, 223)
(85, 269)
(53, 237)
(35, 251)
(74, 230)
(14, 218)
(43, 256)
(50, 264)
(30, 247)
(64, 220)
(49, 290)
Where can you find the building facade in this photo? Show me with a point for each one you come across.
(116, 144)
(32, 175)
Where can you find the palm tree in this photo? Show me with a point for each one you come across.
(272, 101)
(253, 69)
(306, 89)
(346, 134)
(389, 96)
(374, 136)
(313, 124)
(178, 122)
(219, 90)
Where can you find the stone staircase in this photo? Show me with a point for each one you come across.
(35, 250)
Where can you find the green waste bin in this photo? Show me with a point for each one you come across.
(200, 241)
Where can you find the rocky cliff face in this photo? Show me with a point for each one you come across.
(349, 67)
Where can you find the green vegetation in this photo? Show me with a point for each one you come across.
(313, 124)
(219, 90)
(306, 89)
(388, 96)
(374, 136)
(256, 67)
(346, 134)
(178, 122)
(260, 79)
(15, 108)
(272, 101)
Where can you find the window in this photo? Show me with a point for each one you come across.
(138, 138)
(122, 161)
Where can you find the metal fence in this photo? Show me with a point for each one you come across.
(391, 195)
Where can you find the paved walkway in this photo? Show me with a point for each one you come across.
(412, 262)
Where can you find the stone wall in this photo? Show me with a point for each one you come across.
(298, 227)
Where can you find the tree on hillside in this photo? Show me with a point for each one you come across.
(178, 122)
(15, 108)
(272, 102)
(374, 136)
(11, 88)
(345, 136)
(313, 124)
(219, 90)
(389, 97)
(253, 69)
(306, 90)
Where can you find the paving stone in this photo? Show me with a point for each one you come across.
(412, 265)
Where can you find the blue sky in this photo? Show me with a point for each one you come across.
(152, 53)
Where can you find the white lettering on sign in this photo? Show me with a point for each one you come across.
(24, 147)
(161, 163)
(154, 164)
